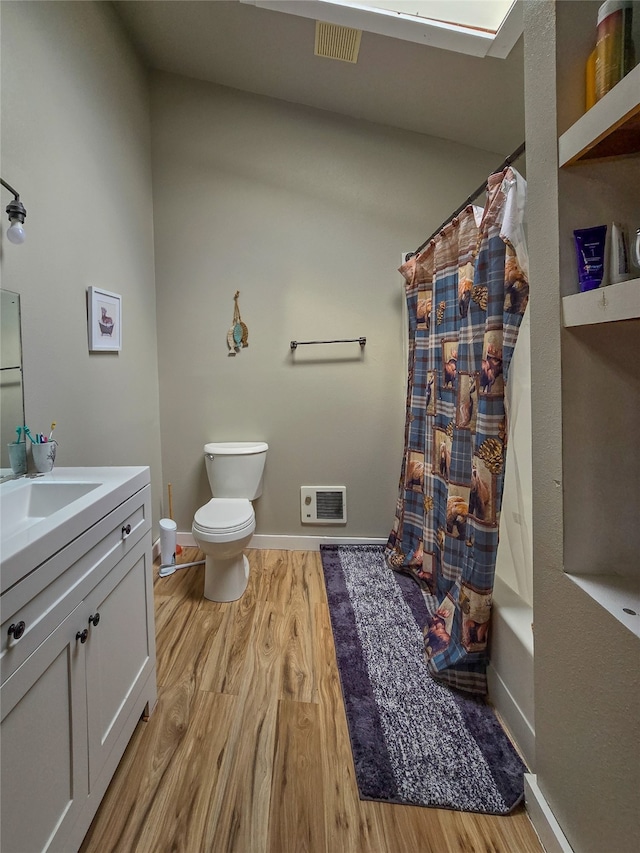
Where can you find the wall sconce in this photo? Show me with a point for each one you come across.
(17, 214)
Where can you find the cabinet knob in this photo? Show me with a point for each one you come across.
(93, 620)
(126, 530)
(16, 630)
(82, 635)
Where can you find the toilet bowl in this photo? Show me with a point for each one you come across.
(223, 527)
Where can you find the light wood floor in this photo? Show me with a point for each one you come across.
(248, 748)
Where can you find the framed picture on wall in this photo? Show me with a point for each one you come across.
(104, 320)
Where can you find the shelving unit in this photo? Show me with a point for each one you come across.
(608, 132)
(611, 128)
(619, 595)
(603, 305)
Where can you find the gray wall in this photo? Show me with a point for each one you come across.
(75, 144)
(306, 214)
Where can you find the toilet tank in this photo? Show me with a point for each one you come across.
(235, 468)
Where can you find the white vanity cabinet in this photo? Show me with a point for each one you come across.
(77, 679)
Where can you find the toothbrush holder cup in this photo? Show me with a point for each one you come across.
(18, 457)
(44, 456)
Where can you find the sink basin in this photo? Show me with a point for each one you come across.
(37, 500)
(39, 517)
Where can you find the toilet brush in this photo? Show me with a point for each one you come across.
(170, 568)
(178, 548)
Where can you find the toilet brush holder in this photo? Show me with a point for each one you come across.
(168, 529)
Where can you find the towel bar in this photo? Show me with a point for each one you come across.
(361, 341)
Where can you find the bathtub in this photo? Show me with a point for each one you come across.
(510, 673)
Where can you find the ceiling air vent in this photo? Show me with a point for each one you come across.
(336, 42)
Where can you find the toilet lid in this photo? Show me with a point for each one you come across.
(228, 514)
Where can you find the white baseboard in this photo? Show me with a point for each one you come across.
(544, 822)
(267, 541)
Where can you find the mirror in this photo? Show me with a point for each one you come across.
(11, 389)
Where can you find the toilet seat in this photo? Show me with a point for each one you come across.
(224, 519)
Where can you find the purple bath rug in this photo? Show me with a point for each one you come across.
(414, 740)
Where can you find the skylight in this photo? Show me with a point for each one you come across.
(475, 27)
(472, 14)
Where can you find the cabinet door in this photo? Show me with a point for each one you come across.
(43, 776)
(120, 651)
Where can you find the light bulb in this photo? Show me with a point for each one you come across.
(15, 232)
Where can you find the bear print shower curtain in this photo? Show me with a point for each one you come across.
(466, 294)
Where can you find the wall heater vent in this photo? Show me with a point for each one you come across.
(323, 504)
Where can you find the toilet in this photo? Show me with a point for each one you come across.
(223, 527)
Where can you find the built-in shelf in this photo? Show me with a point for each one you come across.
(611, 128)
(603, 305)
(617, 594)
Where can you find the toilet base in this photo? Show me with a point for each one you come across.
(225, 580)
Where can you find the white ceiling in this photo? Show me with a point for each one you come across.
(467, 99)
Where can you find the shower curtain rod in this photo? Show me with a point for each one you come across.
(474, 195)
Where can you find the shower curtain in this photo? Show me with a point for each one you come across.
(466, 294)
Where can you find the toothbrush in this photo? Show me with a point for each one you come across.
(18, 431)
(53, 426)
(28, 432)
